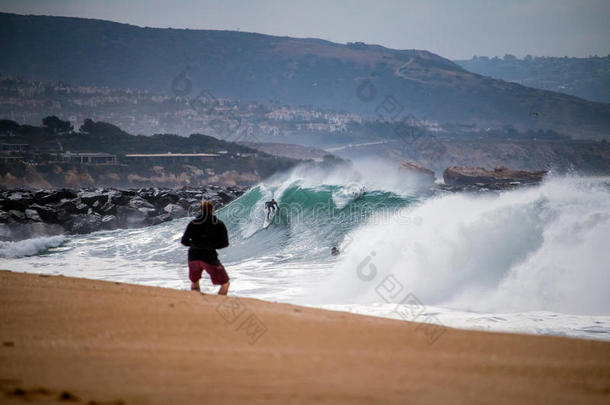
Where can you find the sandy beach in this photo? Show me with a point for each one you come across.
(97, 342)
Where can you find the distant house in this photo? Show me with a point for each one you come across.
(161, 158)
(15, 152)
(246, 155)
(98, 158)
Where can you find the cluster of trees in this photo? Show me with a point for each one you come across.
(57, 134)
(57, 126)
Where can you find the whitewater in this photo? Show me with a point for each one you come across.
(532, 260)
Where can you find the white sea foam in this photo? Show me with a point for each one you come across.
(538, 249)
(29, 247)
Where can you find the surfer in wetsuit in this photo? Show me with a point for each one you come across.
(270, 205)
(203, 236)
(359, 194)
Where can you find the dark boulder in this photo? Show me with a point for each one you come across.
(47, 214)
(32, 215)
(107, 209)
(17, 201)
(166, 198)
(83, 223)
(4, 216)
(110, 222)
(81, 208)
(460, 176)
(225, 197)
(184, 203)
(217, 200)
(175, 210)
(63, 215)
(149, 194)
(91, 197)
(139, 202)
(45, 197)
(17, 215)
(57, 211)
(119, 197)
(67, 205)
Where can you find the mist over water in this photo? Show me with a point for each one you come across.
(531, 260)
(537, 249)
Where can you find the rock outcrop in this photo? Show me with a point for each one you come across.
(499, 178)
(25, 214)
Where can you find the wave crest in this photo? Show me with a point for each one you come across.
(29, 247)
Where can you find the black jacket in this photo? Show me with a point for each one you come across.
(203, 237)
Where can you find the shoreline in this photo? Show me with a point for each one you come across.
(534, 323)
(104, 341)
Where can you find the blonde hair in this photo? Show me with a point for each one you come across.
(207, 208)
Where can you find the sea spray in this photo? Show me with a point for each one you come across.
(469, 258)
(543, 248)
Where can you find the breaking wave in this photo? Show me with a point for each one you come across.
(538, 249)
(29, 247)
(473, 258)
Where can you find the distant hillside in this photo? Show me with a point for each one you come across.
(145, 112)
(104, 137)
(355, 77)
(42, 164)
(588, 78)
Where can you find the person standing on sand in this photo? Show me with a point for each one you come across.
(203, 235)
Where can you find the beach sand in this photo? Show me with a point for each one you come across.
(67, 339)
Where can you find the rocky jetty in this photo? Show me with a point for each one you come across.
(500, 178)
(27, 213)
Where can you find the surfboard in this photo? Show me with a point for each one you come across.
(269, 220)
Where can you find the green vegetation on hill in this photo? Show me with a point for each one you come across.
(104, 137)
(42, 165)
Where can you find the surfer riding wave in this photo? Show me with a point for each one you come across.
(270, 206)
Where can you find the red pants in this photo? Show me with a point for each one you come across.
(217, 273)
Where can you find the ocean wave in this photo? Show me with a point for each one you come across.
(542, 248)
(29, 247)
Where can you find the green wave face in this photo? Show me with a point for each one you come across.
(308, 222)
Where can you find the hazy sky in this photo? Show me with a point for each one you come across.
(452, 28)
